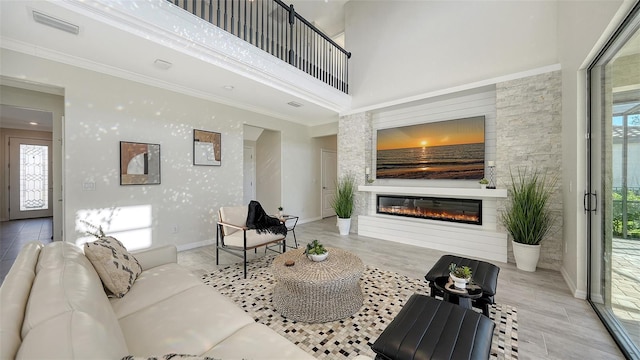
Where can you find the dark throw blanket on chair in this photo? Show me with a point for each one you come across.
(259, 220)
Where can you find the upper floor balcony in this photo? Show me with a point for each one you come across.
(278, 29)
(129, 38)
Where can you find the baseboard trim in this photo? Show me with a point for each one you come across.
(579, 294)
(195, 245)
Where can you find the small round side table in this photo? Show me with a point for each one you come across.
(452, 294)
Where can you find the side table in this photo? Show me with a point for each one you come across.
(454, 295)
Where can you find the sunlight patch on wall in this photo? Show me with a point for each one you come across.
(132, 225)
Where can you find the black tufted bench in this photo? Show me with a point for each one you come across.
(483, 273)
(428, 328)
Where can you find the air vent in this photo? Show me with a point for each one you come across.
(55, 23)
(294, 104)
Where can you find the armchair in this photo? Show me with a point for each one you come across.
(234, 237)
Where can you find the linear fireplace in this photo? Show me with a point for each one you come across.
(468, 211)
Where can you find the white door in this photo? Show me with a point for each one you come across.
(329, 160)
(30, 178)
(249, 175)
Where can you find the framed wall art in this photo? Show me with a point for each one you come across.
(139, 163)
(207, 149)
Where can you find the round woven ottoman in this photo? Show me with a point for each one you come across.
(315, 292)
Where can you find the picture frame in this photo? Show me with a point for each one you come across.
(139, 163)
(207, 148)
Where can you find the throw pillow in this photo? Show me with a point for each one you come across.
(117, 268)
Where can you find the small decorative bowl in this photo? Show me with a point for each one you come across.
(318, 258)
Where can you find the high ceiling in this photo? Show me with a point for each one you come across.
(101, 45)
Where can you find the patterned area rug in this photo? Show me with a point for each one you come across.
(384, 292)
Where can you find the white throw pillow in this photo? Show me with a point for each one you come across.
(117, 268)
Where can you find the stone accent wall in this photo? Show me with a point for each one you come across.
(529, 134)
(354, 155)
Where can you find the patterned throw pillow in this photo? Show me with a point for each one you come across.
(117, 268)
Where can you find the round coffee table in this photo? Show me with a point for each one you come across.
(316, 292)
(462, 297)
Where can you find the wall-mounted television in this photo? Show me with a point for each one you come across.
(451, 149)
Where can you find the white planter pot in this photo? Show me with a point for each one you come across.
(460, 283)
(344, 225)
(318, 258)
(526, 256)
(483, 186)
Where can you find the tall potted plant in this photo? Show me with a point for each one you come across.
(527, 217)
(342, 202)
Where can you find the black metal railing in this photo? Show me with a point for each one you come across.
(277, 29)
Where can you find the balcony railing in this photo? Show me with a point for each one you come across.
(277, 29)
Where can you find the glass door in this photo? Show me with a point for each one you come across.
(30, 190)
(613, 197)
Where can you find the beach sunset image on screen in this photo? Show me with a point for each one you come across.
(451, 149)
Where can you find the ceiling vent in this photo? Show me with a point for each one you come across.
(294, 104)
(55, 23)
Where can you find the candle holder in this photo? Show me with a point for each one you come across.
(367, 176)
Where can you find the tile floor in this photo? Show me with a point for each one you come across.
(14, 234)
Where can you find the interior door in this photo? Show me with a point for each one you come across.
(329, 177)
(30, 178)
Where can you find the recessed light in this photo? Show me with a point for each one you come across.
(294, 104)
(228, 87)
(56, 23)
(162, 64)
(33, 123)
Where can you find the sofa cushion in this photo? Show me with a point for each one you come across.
(153, 286)
(68, 315)
(14, 294)
(118, 268)
(244, 344)
(189, 322)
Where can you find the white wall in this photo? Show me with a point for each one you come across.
(404, 48)
(581, 25)
(102, 110)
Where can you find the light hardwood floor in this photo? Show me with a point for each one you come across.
(552, 324)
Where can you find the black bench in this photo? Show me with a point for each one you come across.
(428, 328)
(483, 273)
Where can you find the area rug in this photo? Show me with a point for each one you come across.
(384, 292)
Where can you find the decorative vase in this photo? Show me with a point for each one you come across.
(344, 225)
(460, 283)
(318, 258)
(526, 255)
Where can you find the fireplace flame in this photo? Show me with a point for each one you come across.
(428, 214)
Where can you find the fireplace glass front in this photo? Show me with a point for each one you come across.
(468, 211)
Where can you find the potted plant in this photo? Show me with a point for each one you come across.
(483, 183)
(527, 216)
(460, 275)
(280, 211)
(316, 251)
(342, 202)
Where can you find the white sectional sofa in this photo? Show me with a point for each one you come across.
(53, 306)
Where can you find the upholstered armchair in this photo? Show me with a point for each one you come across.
(234, 237)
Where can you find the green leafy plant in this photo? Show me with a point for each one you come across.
(315, 248)
(527, 217)
(484, 181)
(462, 272)
(342, 202)
(280, 208)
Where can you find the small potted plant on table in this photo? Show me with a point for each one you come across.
(483, 183)
(460, 275)
(316, 251)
